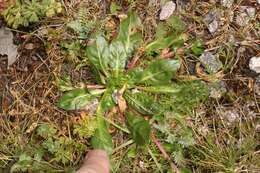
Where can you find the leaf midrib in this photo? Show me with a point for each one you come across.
(151, 76)
(139, 105)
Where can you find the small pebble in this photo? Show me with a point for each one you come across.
(167, 10)
(254, 64)
(211, 62)
(242, 19)
(227, 3)
(212, 21)
(210, 17)
(34, 58)
(251, 12)
(213, 26)
(230, 114)
(217, 89)
(244, 15)
(29, 46)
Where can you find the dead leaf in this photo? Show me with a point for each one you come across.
(121, 101)
(32, 127)
(167, 53)
(5, 3)
(121, 104)
(29, 46)
(6, 45)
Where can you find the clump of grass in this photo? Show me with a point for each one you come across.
(224, 147)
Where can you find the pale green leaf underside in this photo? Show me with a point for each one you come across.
(75, 99)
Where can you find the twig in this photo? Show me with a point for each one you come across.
(95, 87)
(133, 62)
(165, 155)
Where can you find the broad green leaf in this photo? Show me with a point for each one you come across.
(142, 103)
(135, 75)
(171, 89)
(191, 94)
(128, 34)
(118, 57)
(75, 99)
(165, 42)
(99, 54)
(64, 83)
(159, 44)
(179, 41)
(176, 24)
(117, 81)
(106, 102)
(161, 31)
(159, 72)
(102, 139)
(139, 128)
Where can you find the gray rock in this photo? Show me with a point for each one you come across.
(217, 90)
(167, 10)
(254, 64)
(210, 17)
(227, 3)
(212, 21)
(230, 114)
(251, 12)
(6, 45)
(210, 62)
(213, 26)
(242, 19)
(244, 15)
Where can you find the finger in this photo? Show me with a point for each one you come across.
(96, 161)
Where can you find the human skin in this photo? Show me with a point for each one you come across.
(96, 161)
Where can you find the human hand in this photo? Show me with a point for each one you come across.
(96, 161)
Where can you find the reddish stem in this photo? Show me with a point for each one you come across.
(165, 155)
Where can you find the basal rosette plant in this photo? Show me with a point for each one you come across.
(136, 92)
